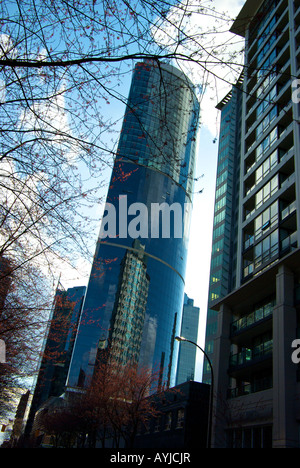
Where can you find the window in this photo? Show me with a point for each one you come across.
(157, 424)
(266, 250)
(215, 279)
(267, 31)
(211, 328)
(223, 156)
(217, 261)
(214, 296)
(221, 190)
(266, 167)
(206, 367)
(221, 178)
(220, 204)
(219, 217)
(266, 220)
(269, 99)
(261, 128)
(250, 437)
(180, 418)
(265, 68)
(219, 231)
(168, 421)
(266, 144)
(266, 192)
(224, 142)
(265, 85)
(266, 48)
(209, 347)
(218, 246)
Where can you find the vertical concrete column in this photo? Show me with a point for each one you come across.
(221, 379)
(285, 430)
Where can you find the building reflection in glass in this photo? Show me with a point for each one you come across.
(128, 317)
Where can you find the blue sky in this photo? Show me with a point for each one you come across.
(197, 275)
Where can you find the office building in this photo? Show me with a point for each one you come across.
(187, 352)
(134, 298)
(57, 349)
(257, 385)
(224, 252)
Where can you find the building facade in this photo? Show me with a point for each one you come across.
(134, 298)
(187, 352)
(57, 349)
(181, 422)
(224, 252)
(257, 388)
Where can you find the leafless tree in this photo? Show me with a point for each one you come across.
(111, 408)
(64, 74)
(23, 321)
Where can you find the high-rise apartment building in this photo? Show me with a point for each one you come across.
(187, 352)
(134, 298)
(256, 377)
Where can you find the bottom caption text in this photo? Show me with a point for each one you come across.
(159, 457)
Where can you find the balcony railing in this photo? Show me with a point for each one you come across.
(288, 210)
(249, 356)
(249, 242)
(266, 256)
(251, 319)
(248, 270)
(247, 389)
(289, 242)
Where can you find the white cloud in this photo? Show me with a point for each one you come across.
(7, 48)
(49, 116)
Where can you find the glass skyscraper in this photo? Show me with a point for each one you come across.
(187, 351)
(224, 257)
(134, 298)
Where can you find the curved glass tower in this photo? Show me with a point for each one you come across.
(134, 298)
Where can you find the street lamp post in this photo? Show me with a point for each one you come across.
(209, 429)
